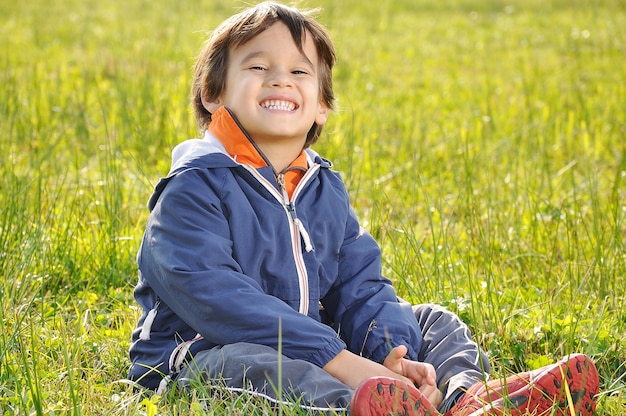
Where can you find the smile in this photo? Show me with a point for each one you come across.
(279, 105)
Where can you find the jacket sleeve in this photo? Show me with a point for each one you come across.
(186, 257)
(365, 307)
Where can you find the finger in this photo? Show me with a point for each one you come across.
(393, 361)
(433, 394)
(421, 373)
(430, 376)
(399, 352)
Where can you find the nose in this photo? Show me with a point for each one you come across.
(280, 78)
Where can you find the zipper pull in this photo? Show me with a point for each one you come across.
(305, 236)
(280, 178)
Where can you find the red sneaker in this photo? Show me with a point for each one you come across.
(384, 396)
(538, 392)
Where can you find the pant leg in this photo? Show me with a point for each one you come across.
(254, 369)
(449, 347)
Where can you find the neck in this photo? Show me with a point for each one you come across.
(280, 153)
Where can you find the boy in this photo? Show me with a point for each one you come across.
(252, 248)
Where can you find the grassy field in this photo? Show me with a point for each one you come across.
(483, 142)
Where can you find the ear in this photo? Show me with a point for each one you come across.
(210, 106)
(322, 114)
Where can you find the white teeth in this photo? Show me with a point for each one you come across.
(278, 105)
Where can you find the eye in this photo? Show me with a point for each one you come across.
(299, 72)
(257, 68)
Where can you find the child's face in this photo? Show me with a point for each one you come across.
(273, 88)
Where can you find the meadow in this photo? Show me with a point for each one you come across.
(483, 143)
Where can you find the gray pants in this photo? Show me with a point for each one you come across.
(447, 345)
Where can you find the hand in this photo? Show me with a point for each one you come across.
(421, 374)
(352, 369)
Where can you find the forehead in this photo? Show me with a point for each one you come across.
(277, 38)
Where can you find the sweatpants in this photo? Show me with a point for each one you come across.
(256, 369)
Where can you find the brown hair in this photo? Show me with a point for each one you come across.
(211, 66)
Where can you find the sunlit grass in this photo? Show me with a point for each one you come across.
(483, 144)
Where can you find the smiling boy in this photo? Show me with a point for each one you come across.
(252, 248)
(273, 88)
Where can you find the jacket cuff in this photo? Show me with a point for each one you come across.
(323, 356)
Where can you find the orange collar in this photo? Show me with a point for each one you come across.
(239, 147)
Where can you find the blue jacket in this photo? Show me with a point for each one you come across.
(226, 259)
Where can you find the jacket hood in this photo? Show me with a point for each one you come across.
(193, 154)
(208, 153)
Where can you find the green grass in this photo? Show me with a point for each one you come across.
(482, 141)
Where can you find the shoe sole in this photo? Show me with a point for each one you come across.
(382, 396)
(546, 393)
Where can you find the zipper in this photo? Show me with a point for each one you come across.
(297, 233)
(280, 178)
(300, 233)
